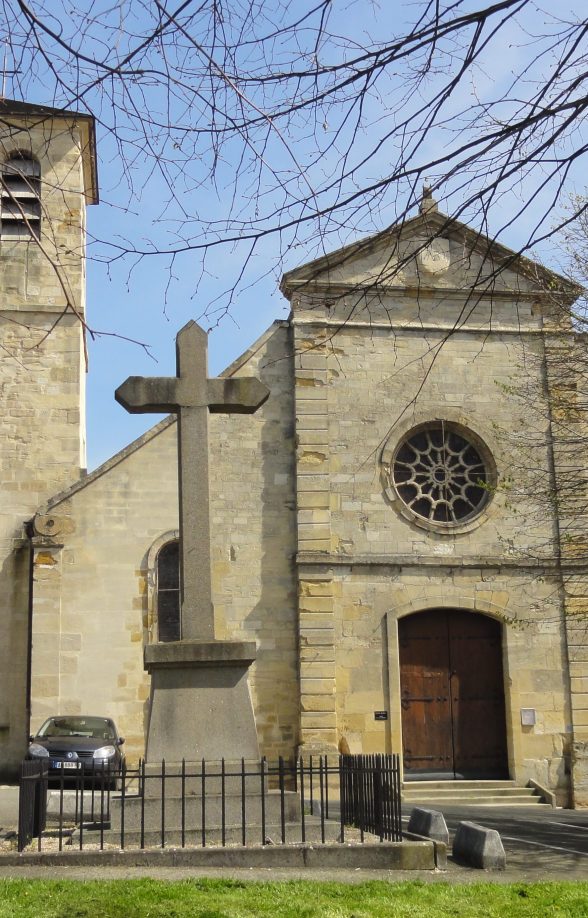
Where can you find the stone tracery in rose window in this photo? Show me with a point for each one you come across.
(440, 475)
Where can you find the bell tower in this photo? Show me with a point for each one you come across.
(47, 177)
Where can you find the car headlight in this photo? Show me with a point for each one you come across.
(105, 752)
(38, 752)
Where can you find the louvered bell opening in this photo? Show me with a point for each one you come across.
(20, 203)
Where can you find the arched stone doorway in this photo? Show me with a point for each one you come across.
(452, 695)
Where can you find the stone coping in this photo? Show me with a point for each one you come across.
(199, 653)
(404, 855)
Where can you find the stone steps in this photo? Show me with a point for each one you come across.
(470, 793)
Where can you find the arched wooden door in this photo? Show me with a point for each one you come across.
(451, 681)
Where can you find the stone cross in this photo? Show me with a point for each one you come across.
(192, 395)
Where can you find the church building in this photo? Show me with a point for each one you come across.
(384, 527)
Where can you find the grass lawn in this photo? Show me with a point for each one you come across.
(297, 899)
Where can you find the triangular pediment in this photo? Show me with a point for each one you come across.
(428, 252)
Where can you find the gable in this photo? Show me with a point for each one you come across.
(429, 252)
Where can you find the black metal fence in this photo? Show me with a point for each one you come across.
(322, 799)
(370, 794)
(32, 801)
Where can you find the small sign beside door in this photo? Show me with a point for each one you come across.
(380, 715)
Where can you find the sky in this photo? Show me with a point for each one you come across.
(172, 187)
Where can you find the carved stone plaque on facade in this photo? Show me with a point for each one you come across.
(434, 257)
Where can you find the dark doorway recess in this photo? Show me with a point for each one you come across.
(452, 688)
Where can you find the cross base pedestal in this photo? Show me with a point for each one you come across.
(200, 701)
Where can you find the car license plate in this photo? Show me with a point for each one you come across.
(59, 764)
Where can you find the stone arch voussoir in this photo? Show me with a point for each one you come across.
(464, 601)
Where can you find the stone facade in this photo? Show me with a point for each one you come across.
(382, 346)
(315, 553)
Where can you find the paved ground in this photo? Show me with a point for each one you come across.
(540, 844)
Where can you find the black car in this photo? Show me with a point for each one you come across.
(78, 745)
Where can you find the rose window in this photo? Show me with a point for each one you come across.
(440, 475)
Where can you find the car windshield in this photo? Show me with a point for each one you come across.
(90, 727)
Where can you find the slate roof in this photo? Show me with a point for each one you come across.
(16, 107)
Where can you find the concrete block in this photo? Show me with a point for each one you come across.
(479, 847)
(429, 823)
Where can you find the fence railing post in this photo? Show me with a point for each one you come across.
(123, 791)
(342, 796)
(142, 802)
(223, 805)
(302, 802)
(282, 800)
(243, 830)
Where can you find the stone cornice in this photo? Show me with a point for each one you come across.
(420, 327)
(482, 291)
(445, 562)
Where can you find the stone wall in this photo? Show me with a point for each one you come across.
(565, 363)
(253, 520)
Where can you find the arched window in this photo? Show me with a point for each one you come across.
(21, 197)
(168, 592)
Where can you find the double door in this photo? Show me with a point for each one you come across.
(452, 695)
